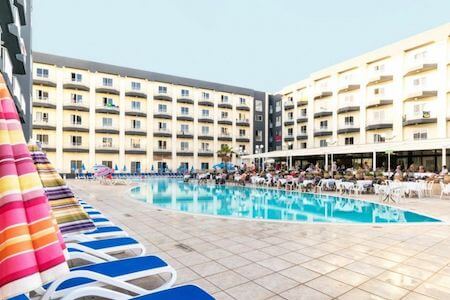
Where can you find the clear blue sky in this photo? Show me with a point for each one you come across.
(260, 44)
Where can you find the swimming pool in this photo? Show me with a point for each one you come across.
(268, 204)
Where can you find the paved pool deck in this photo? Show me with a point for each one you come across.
(238, 259)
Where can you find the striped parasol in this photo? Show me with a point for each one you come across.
(31, 248)
(69, 214)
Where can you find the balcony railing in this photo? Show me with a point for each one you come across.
(111, 107)
(44, 123)
(83, 125)
(107, 147)
(162, 130)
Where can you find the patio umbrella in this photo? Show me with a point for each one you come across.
(31, 249)
(103, 171)
(124, 168)
(152, 168)
(116, 168)
(69, 214)
(83, 167)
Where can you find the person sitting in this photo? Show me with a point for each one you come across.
(444, 171)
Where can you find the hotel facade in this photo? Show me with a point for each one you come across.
(394, 100)
(87, 113)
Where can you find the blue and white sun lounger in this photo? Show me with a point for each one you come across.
(99, 233)
(113, 273)
(183, 292)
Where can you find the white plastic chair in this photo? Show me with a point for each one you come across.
(445, 189)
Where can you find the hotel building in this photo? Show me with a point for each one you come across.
(395, 99)
(87, 113)
(15, 55)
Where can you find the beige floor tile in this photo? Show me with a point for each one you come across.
(255, 255)
(357, 294)
(329, 286)
(208, 268)
(300, 274)
(216, 253)
(253, 271)
(186, 275)
(222, 296)
(416, 296)
(412, 271)
(234, 261)
(336, 260)
(399, 280)
(435, 291)
(365, 269)
(276, 283)
(383, 289)
(319, 266)
(249, 291)
(348, 277)
(275, 264)
(227, 279)
(192, 259)
(303, 292)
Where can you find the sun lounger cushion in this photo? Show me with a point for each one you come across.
(108, 243)
(185, 292)
(105, 229)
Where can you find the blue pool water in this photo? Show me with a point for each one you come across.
(268, 204)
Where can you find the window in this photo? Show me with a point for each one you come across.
(224, 115)
(270, 109)
(349, 140)
(205, 113)
(278, 121)
(224, 98)
(42, 138)
(135, 143)
(420, 135)
(136, 124)
(205, 95)
(136, 105)
(378, 138)
(205, 130)
(107, 142)
(135, 86)
(42, 117)
(378, 91)
(76, 166)
(204, 166)
(205, 146)
(419, 110)
(303, 129)
(290, 146)
(162, 89)
(76, 77)
(303, 145)
(242, 101)
(323, 143)
(241, 132)
(278, 106)
(135, 167)
(348, 99)
(184, 93)
(259, 135)
(303, 112)
(290, 131)
(184, 146)
(108, 102)
(185, 111)
(379, 68)
(162, 126)
(378, 115)
(75, 140)
(42, 95)
(258, 118)
(224, 131)
(323, 125)
(40, 72)
(107, 163)
(107, 122)
(349, 121)
(420, 55)
(184, 128)
(162, 145)
(162, 108)
(290, 116)
(107, 81)
(76, 98)
(419, 81)
(259, 106)
(76, 119)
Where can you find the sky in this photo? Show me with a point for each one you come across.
(259, 44)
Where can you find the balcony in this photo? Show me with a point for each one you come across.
(302, 102)
(424, 117)
(162, 114)
(205, 136)
(224, 137)
(205, 153)
(44, 81)
(185, 134)
(135, 112)
(243, 106)
(379, 124)
(163, 152)
(347, 107)
(136, 131)
(135, 149)
(225, 104)
(302, 136)
(348, 128)
(44, 102)
(323, 131)
(185, 99)
(47, 147)
(379, 100)
(76, 148)
(162, 97)
(44, 124)
(289, 138)
(107, 109)
(206, 102)
(135, 93)
(185, 117)
(289, 122)
(378, 78)
(185, 152)
(81, 85)
(420, 93)
(288, 105)
(243, 122)
(112, 89)
(302, 118)
(420, 66)
(205, 119)
(71, 126)
(225, 121)
(322, 94)
(106, 129)
(243, 139)
(321, 114)
(69, 104)
(106, 148)
(348, 87)
(162, 132)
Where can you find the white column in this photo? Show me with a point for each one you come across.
(444, 156)
(122, 161)
(59, 119)
(326, 162)
(374, 161)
